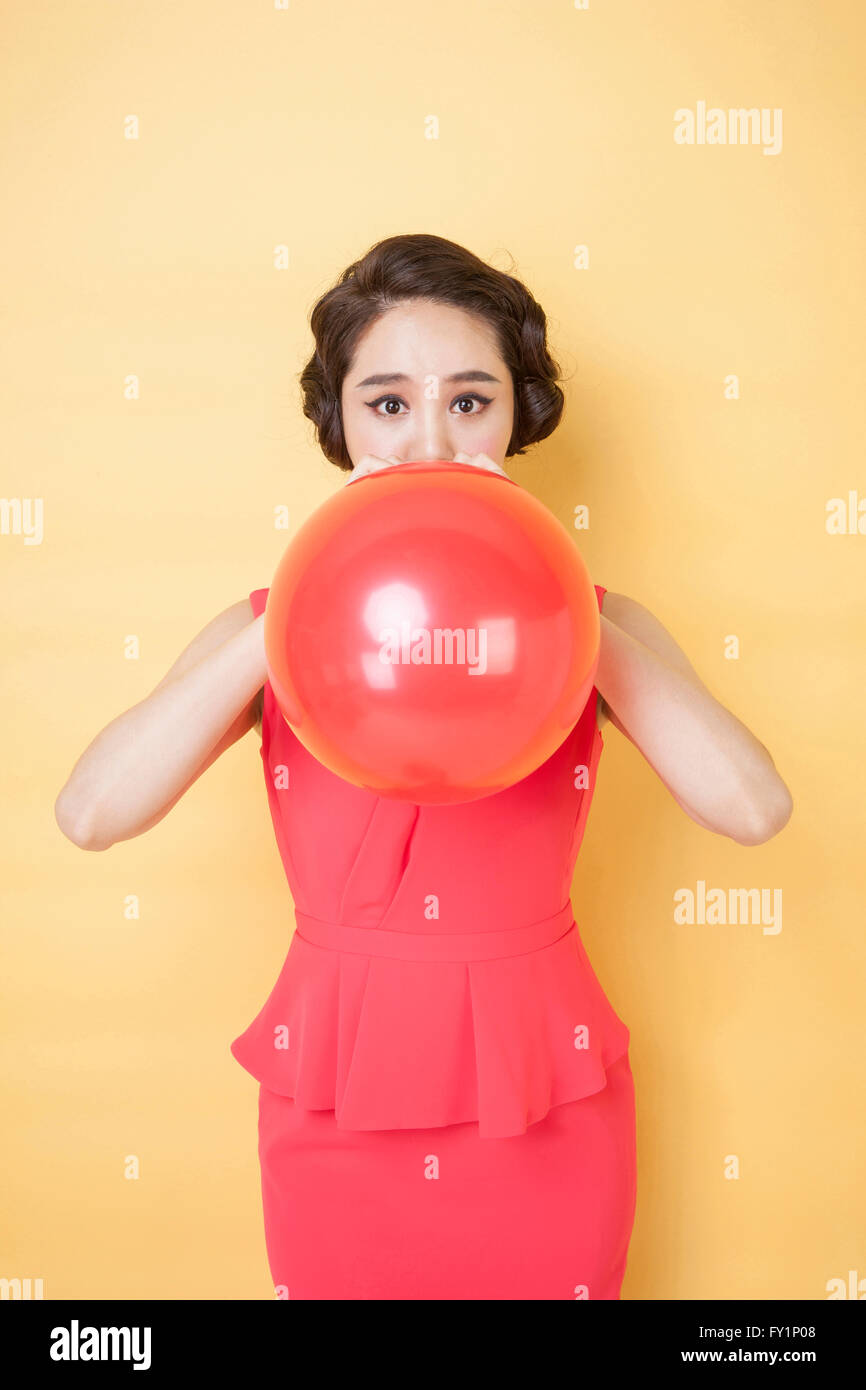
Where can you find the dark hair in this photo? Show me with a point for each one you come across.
(419, 266)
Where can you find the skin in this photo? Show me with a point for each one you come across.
(717, 771)
(139, 765)
(426, 416)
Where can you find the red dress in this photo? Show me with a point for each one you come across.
(446, 1107)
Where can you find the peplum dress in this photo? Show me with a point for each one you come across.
(446, 1107)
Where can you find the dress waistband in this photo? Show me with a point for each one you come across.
(459, 946)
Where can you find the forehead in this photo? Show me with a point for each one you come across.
(419, 337)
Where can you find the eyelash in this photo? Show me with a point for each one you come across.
(466, 396)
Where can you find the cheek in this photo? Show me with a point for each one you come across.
(494, 436)
(359, 426)
(491, 442)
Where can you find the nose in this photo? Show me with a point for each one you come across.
(431, 438)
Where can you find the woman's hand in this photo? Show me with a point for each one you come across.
(481, 461)
(371, 463)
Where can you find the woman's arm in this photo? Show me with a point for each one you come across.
(140, 764)
(713, 766)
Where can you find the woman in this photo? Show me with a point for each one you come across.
(446, 1106)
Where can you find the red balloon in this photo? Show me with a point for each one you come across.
(432, 632)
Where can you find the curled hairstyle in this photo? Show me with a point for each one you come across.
(420, 266)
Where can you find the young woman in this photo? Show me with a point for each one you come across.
(446, 1106)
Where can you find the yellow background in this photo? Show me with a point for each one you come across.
(306, 127)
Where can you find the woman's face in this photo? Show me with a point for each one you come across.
(427, 382)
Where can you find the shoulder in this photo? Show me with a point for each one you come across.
(220, 628)
(256, 606)
(639, 622)
(602, 713)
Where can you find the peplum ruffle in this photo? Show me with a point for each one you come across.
(391, 1043)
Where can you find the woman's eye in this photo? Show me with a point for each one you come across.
(398, 401)
(385, 400)
(474, 396)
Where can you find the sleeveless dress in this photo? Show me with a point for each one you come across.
(446, 1106)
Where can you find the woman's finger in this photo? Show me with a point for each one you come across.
(370, 463)
(481, 461)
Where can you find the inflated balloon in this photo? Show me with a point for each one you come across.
(432, 632)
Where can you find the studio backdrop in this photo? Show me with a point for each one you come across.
(681, 188)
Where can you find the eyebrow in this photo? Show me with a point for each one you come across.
(391, 378)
